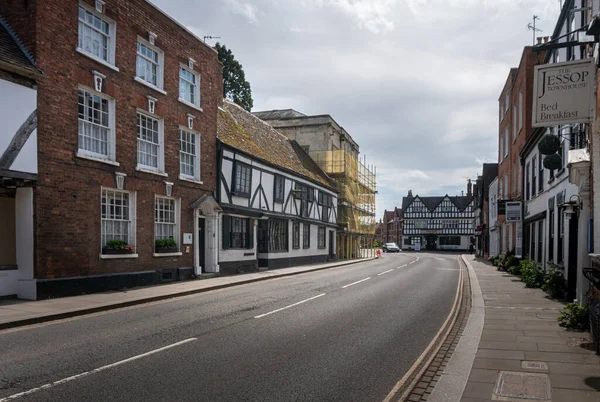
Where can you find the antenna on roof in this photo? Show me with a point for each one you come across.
(531, 27)
(211, 37)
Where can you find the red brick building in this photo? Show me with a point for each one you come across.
(515, 105)
(392, 226)
(126, 140)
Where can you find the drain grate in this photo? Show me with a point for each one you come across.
(531, 386)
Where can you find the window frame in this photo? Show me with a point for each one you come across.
(131, 230)
(305, 235)
(160, 168)
(197, 168)
(321, 237)
(235, 187)
(197, 103)
(521, 110)
(160, 64)
(112, 35)
(295, 235)
(177, 219)
(279, 190)
(534, 175)
(111, 135)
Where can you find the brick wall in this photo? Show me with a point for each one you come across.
(20, 14)
(68, 233)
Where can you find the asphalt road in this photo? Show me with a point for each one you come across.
(342, 334)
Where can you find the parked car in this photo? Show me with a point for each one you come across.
(390, 248)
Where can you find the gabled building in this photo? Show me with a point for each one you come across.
(438, 223)
(18, 162)
(392, 226)
(279, 208)
(336, 152)
(126, 144)
(482, 218)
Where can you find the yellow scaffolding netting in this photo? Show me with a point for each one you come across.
(357, 186)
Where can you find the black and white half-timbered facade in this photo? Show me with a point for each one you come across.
(279, 207)
(438, 223)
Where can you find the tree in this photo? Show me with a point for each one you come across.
(235, 86)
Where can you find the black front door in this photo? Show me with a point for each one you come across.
(572, 263)
(331, 248)
(431, 242)
(200, 245)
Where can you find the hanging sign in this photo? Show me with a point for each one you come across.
(563, 93)
(513, 211)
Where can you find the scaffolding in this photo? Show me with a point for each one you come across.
(357, 185)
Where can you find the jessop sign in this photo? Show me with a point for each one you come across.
(563, 93)
(513, 211)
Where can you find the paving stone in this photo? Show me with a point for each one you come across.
(543, 339)
(574, 369)
(482, 375)
(499, 338)
(545, 347)
(414, 398)
(525, 346)
(580, 382)
(419, 391)
(479, 390)
(542, 333)
(562, 357)
(496, 364)
(570, 395)
(501, 354)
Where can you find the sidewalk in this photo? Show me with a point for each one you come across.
(523, 354)
(14, 313)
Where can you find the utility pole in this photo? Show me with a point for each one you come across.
(532, 28)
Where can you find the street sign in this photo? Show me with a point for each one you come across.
(563, 93)
(513, 211)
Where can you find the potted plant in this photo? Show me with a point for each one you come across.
(117, 247)
(165, 246)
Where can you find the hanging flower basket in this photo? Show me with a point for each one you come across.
(553, 162)
(549, 144)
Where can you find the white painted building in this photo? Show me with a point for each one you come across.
(18, 165)
(494, 238)
(279, 208)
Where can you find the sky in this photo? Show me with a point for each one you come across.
(415, 82)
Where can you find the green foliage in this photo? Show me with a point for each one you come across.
(515, 269)
(165, 243)
(554, 283)
(574, 317)
(118, 245)
(235, 86)
(512, 261)
(531, 275)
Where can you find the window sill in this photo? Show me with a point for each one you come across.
(190, 104)
(156, 172)
(241, 195)
(146, 83)
(190, 180)
(560, 172)
(97, 59)
(97, 159)
(117, 256)
(178, 254)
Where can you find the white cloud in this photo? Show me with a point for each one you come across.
(244, 9)
(372, 15)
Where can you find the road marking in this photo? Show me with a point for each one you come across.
(385, 272)
(286, 307)
(401, 266)
(86, 373)
(354, 283)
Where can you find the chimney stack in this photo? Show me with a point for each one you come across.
(410, 194)
(546, 38)
(539, 40)
(469, 188)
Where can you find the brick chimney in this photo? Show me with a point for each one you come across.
(469, 188)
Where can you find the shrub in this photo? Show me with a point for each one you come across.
(531, 275)
(554, 282)
(574, 317)
(165, 243)
(515, 270)
(512, 261)
(118, 245)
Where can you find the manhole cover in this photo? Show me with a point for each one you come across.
(534, 365)
(530, 386)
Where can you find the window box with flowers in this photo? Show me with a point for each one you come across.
(165, 246)
(117, 247)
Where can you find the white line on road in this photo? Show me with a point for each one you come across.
(384, 272)
(86, 373)
(354, 283)
(286, 307)
(401, 266)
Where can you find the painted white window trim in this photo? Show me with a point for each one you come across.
(145, 169)
(178, 254)
(146, 83)
(197, 106)
(112, 26)
(193, 179)
(99, 60)
(117, 256)
(176, 230)
(190, 104)
(185, 178)
(132, 217)
(161, 65)
(82, 155)
(112, 144)
(160, 170)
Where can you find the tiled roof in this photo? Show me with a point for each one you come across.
(278, 114)
(242, 130)
(461, 202)
(388, 216)
(12, 51)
